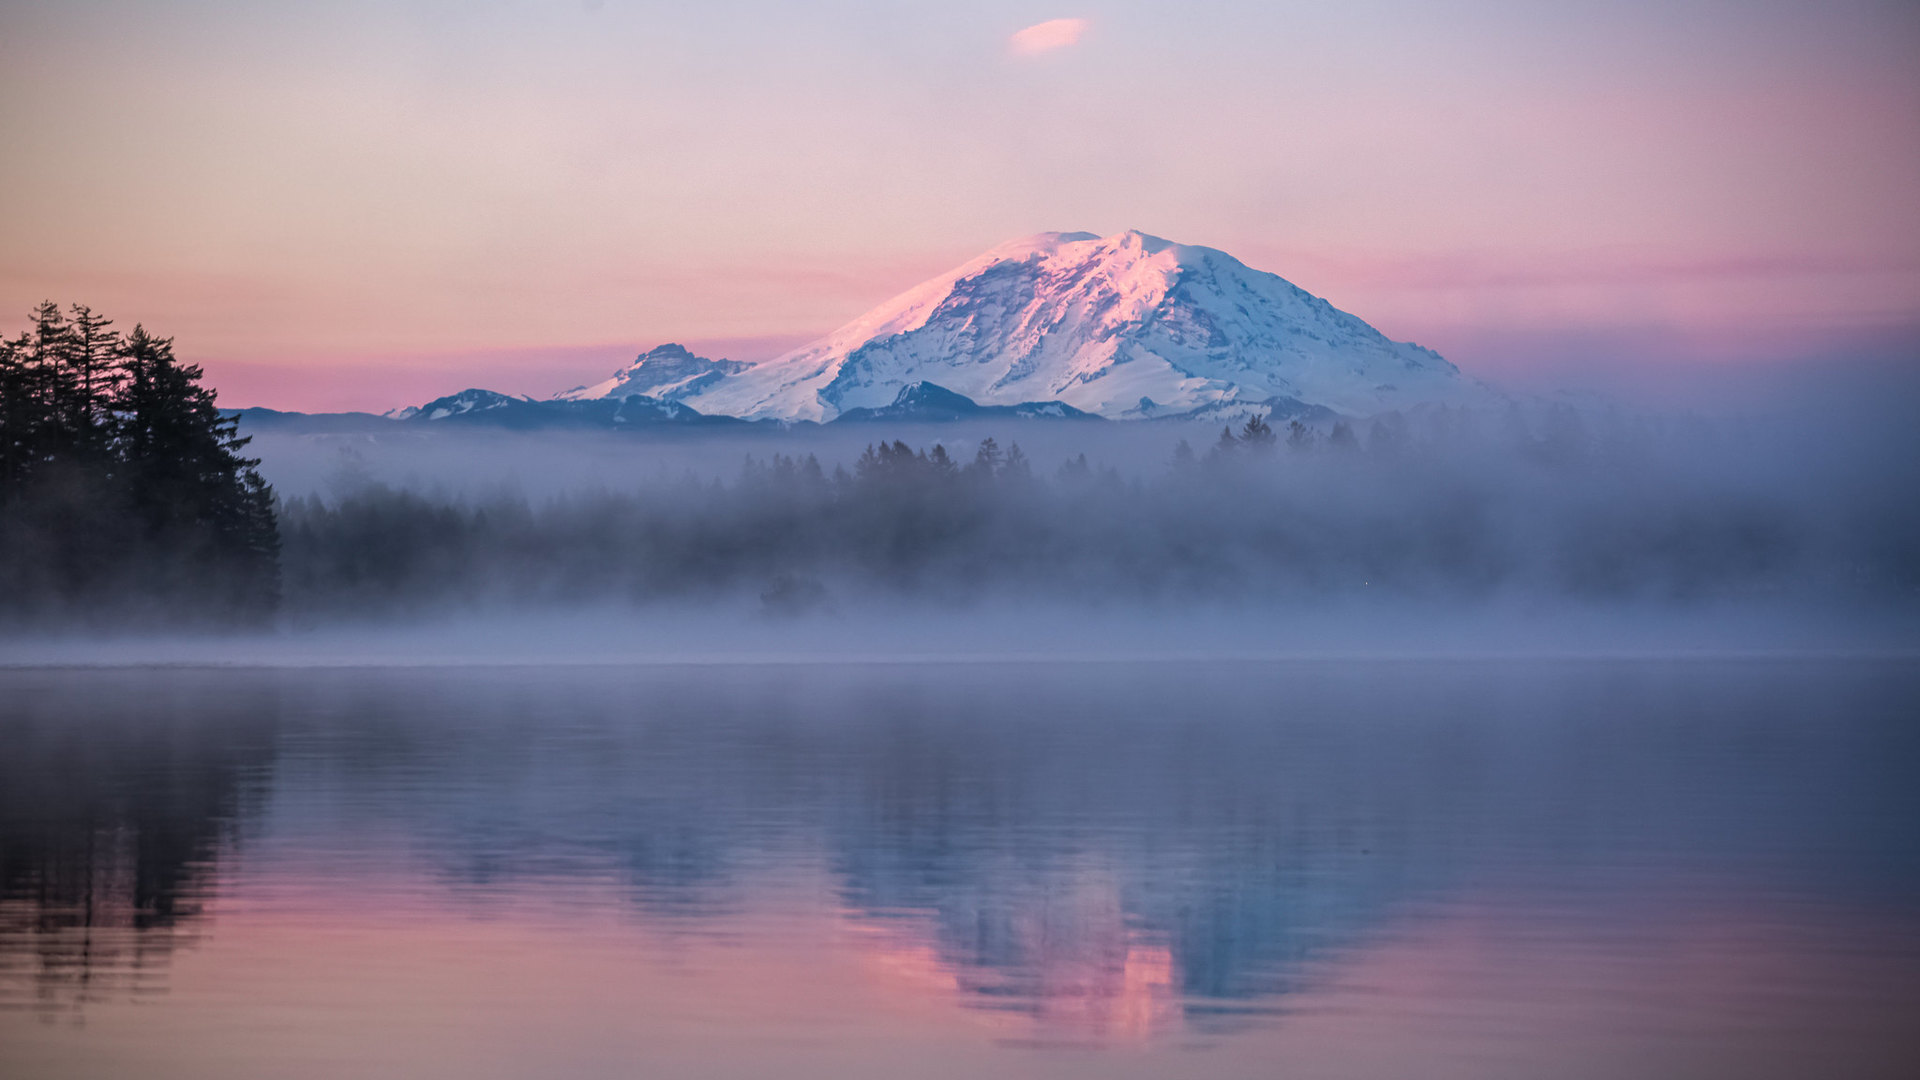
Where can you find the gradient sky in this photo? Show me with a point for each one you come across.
(362, 204)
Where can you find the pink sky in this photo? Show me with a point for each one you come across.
(365, 205)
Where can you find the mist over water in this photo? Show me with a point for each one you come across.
(1408, 748)
(1789, 530)
(1422, 747)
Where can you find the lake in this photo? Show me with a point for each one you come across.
(1703, 868)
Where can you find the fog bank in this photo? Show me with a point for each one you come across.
(1546, 530)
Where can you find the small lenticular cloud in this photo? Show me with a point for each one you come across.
(1047, 36)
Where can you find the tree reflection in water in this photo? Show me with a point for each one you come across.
(114, 808)
(1094, 853)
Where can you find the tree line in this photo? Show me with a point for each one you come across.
(1441, 507)
(123, 488)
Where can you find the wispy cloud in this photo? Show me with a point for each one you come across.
(1047, 36)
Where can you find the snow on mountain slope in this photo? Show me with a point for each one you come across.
(466, 401)
(926, 402)
(1126, 326)
(669, 373)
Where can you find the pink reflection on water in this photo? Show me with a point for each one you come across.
(1066, 963)
(1128, 998)
(296, 971)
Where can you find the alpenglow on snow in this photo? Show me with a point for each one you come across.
(1128, 326)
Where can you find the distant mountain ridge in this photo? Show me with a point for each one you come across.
(920, 403)
(669, 372)
(924, 402)
(1053, 326)
(1126, 327)
(475, 408)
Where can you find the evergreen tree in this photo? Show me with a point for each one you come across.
(49, 346)
(1257, 435)
(1017, 467)
(1224, 449)
(21, 415)
(122, 481)
(988, 460)
(191, 487)
(93, 358)
(812, 479)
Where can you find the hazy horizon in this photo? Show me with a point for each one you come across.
(360, 205)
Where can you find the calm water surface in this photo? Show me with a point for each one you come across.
(1697, 869)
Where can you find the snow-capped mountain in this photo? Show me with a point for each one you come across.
(460, 404)
(669, 373)
(924, 402)
(1126, 327)
(486, 408)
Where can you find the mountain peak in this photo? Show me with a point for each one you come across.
(1083, 245)
(668, 372)
(672, 350)
(1134, 238)
(1095, 322)
(926, 393)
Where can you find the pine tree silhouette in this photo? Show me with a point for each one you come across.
(122, 480)
(190, 486)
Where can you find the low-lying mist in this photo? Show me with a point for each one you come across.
(1549, 529)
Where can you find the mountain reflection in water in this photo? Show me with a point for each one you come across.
(1705, 868)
